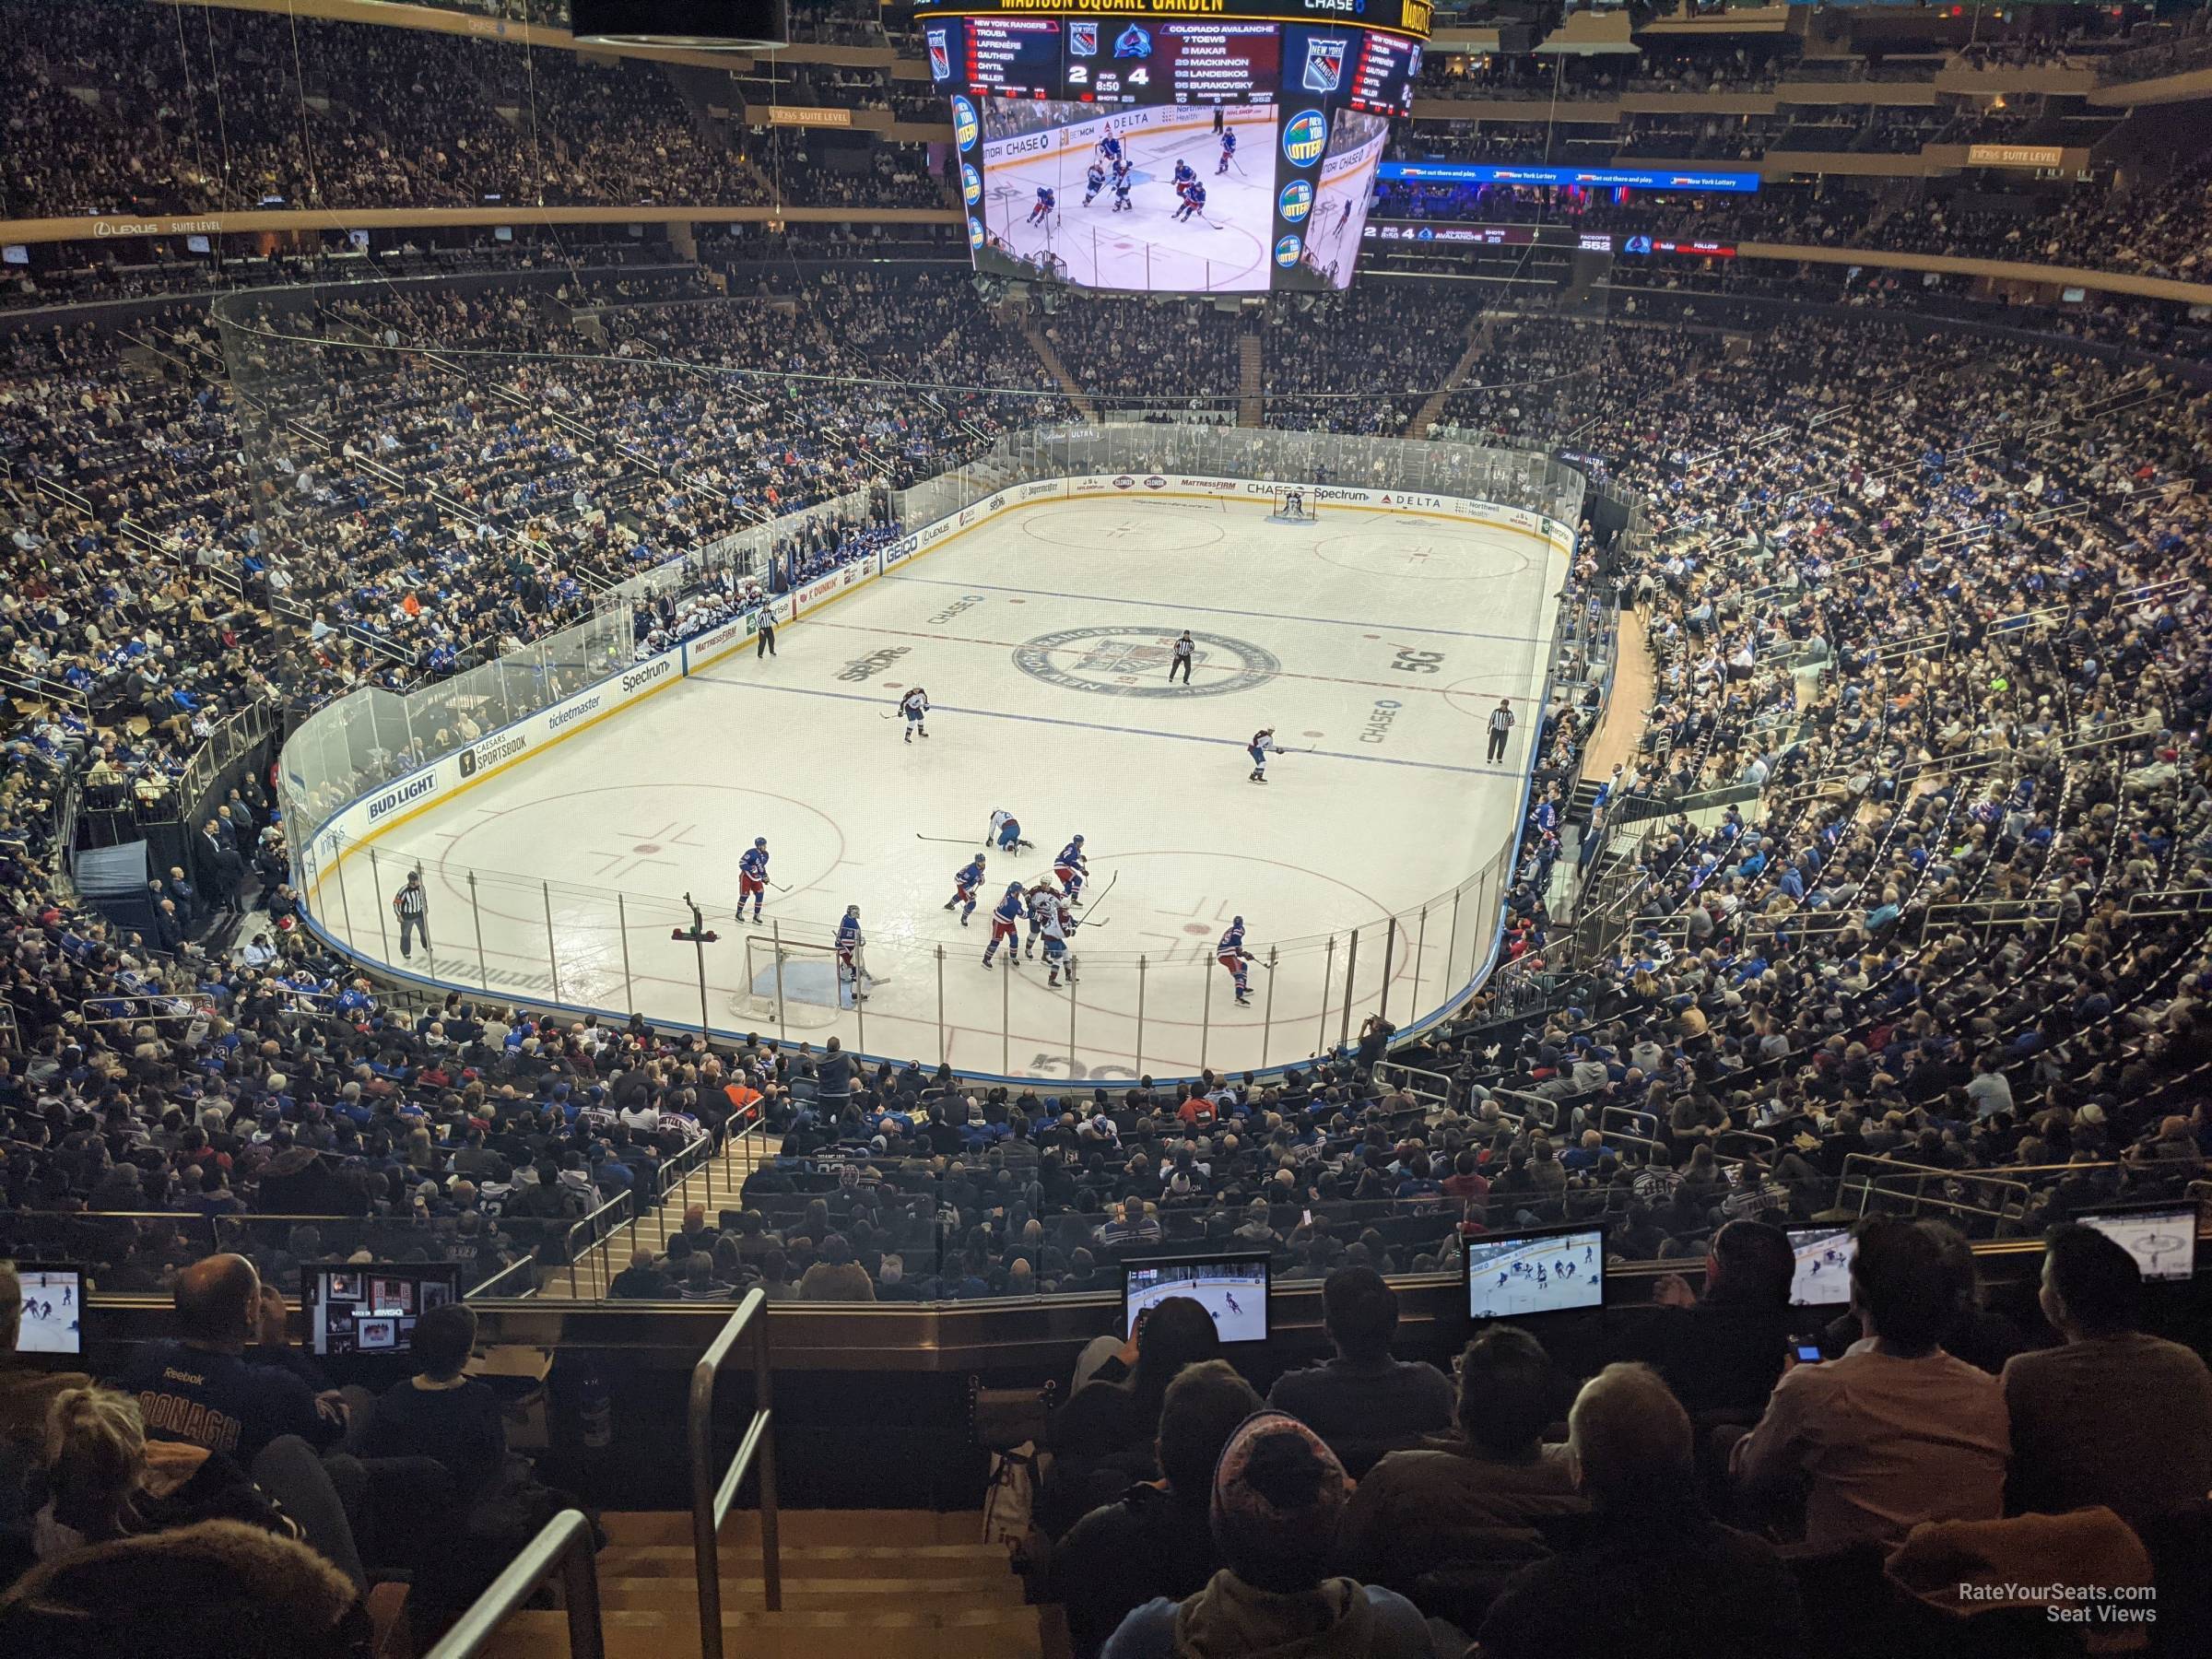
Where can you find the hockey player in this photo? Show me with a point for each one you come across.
(752, 876)
(1262, 744)
(1342, 219)
(964, 883)
(915, 705)
(1094, 180)
(1193, 203)
(1109, 147)
(1228, 149)
(1230, 953)
(1124, 176)
(1059, 927)
(1072, 867)
(1040, 900)
(850, 968)
(1006, 923)
(1006, 832)
(1047, 200)
(1184, 177)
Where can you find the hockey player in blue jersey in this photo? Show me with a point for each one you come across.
(1006, 923)
(1230, 953)
(964, 883)
(1262, 744)
(1047, 200)
(1109, 147)
(852, 967)
(752, 876)
(1184, 177)
(1094, 180)
(1071, 868)
(1193, 202)
(1228, 149)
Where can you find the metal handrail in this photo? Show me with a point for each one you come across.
(564, 1546)
(710, 1498)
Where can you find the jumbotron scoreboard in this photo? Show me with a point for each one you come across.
(1182, 146)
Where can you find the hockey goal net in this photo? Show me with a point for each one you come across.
(1291, 507)
(789, 983)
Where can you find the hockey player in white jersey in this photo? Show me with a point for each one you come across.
(1094, 180)
(1059, 928)
(915, 705)
(1006, 832)
(1262, 744)
(1041, 897)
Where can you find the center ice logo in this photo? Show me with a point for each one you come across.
(1134, 662)
(1296, 201)
(964, 127)
(971, 184)
(1287, 250)
(1303, 139)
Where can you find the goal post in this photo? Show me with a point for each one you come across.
(1292, 505)
(789, 983)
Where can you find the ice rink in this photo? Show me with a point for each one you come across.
(1238, 1302)
(1376, 643)
(1504, 1282)
(1822, 1276)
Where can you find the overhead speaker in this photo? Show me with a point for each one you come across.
(700, 25)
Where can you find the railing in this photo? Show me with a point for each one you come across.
(710, 1498)
(1870, 1181)
(563, 1547)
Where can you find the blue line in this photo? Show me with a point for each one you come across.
(1218, 610)
(1093, 726)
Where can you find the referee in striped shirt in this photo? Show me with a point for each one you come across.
(411, 904)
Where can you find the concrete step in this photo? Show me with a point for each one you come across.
(906, 1633)
(800, 1528)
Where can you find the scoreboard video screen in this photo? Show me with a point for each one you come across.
(1144, 150)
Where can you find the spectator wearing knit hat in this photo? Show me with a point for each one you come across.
(1278, 1496)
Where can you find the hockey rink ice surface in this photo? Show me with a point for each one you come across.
(1502, 1277)
(1376, 643)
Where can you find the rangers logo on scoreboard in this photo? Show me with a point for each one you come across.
(1325, 66)
(940, 57)
(1304, 137)
(1083, 37)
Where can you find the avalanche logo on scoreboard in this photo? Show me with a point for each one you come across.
(1287, 250)
(1083, 37)
(1296, 201)
(1325, 66)
(971, 184)
(975, 232)
(1134, 41)
(1304, 137)
(940, 57)
(964, 126)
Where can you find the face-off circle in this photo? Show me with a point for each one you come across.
(1134, 662)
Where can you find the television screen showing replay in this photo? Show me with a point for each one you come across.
(372, 1307)
(1518, 1274)
(2163, 1240)
(1232, 1288)
(54, 1310)
(1821, 1277)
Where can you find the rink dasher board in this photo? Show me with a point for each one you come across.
(368, 818)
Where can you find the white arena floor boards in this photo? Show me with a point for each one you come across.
(1376, 644)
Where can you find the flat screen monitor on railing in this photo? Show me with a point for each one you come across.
(369, 1308)
(2162, 1237)
(1515, 1276)
(1821, 1277)
(53, 1309)
(1232, 1288)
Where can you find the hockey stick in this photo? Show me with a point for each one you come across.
(1109, 888)
(950, 840)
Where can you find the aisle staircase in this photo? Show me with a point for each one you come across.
(1033, 332)
(1252, 402)
(857, 1585)
(1479, 345)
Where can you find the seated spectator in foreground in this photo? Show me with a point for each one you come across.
(440, 1414)
(1656, 1576)
(1103, 1437)
(1158, 1540)
(837, 1277)
(1897, 1432)
(1447, 1523)
(1722, 1352)
(1363, 1402)
(1278, 1497)
(105, 1481)
(2114, 1416)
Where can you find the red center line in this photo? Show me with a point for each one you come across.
(1395, 687)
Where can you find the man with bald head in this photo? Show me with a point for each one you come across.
(200, 1389)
